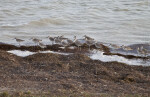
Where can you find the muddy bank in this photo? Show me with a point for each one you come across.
(70, 74)
(84, 49)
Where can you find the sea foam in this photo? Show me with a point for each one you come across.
(98, 55)
(28, 53)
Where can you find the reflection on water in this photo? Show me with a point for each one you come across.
(111, 21)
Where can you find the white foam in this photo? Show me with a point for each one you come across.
(62, 47)
(28, 53)
(55, 52)
(98, 55)
(71, 47)
(21, 53)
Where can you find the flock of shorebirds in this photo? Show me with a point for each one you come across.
(61, 40)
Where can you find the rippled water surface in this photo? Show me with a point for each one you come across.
(112, 21)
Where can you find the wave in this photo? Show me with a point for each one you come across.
(47, 21)
(40, 22)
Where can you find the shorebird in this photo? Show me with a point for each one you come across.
(62, 37)
(19, 40)
(42, 45)
(89, 42)
(114, 46)
(88, 38)
(144, 51)
(35, 40)
(139, 51)
(126, 48)
(57, 40)
(98, 45)
(70, 41)
(78, 42)
(64, 43)
(51, 39)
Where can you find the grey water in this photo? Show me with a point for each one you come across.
(112, 21)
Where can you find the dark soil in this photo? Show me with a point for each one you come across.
(69, 74)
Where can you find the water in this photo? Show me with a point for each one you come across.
(112, 21)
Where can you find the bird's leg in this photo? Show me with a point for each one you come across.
(19, 44)
(145, 57)
(65, 48)
(35, 47)
(138, 54)
(37, 44)
(89, 47)
(51, 42)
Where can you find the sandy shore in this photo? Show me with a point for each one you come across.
(75, 74)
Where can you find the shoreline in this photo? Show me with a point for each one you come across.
(85, 49)
(74, 74)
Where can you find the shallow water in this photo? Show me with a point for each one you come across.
(112, 21)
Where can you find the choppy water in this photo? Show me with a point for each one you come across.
(112, 21)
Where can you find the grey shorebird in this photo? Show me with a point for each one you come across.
(42, 45)
(79, 42)
(62, 37)
(64, 43)
(52, 39)
(18, 40)
(114, 46)
(126, 48)
(88, 38)
(139, 51)
(36, 41)
(89, 42)
(57, 40)
(70, 41)
(98, 45)
(144, 51)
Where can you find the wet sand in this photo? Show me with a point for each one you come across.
(75, 74)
